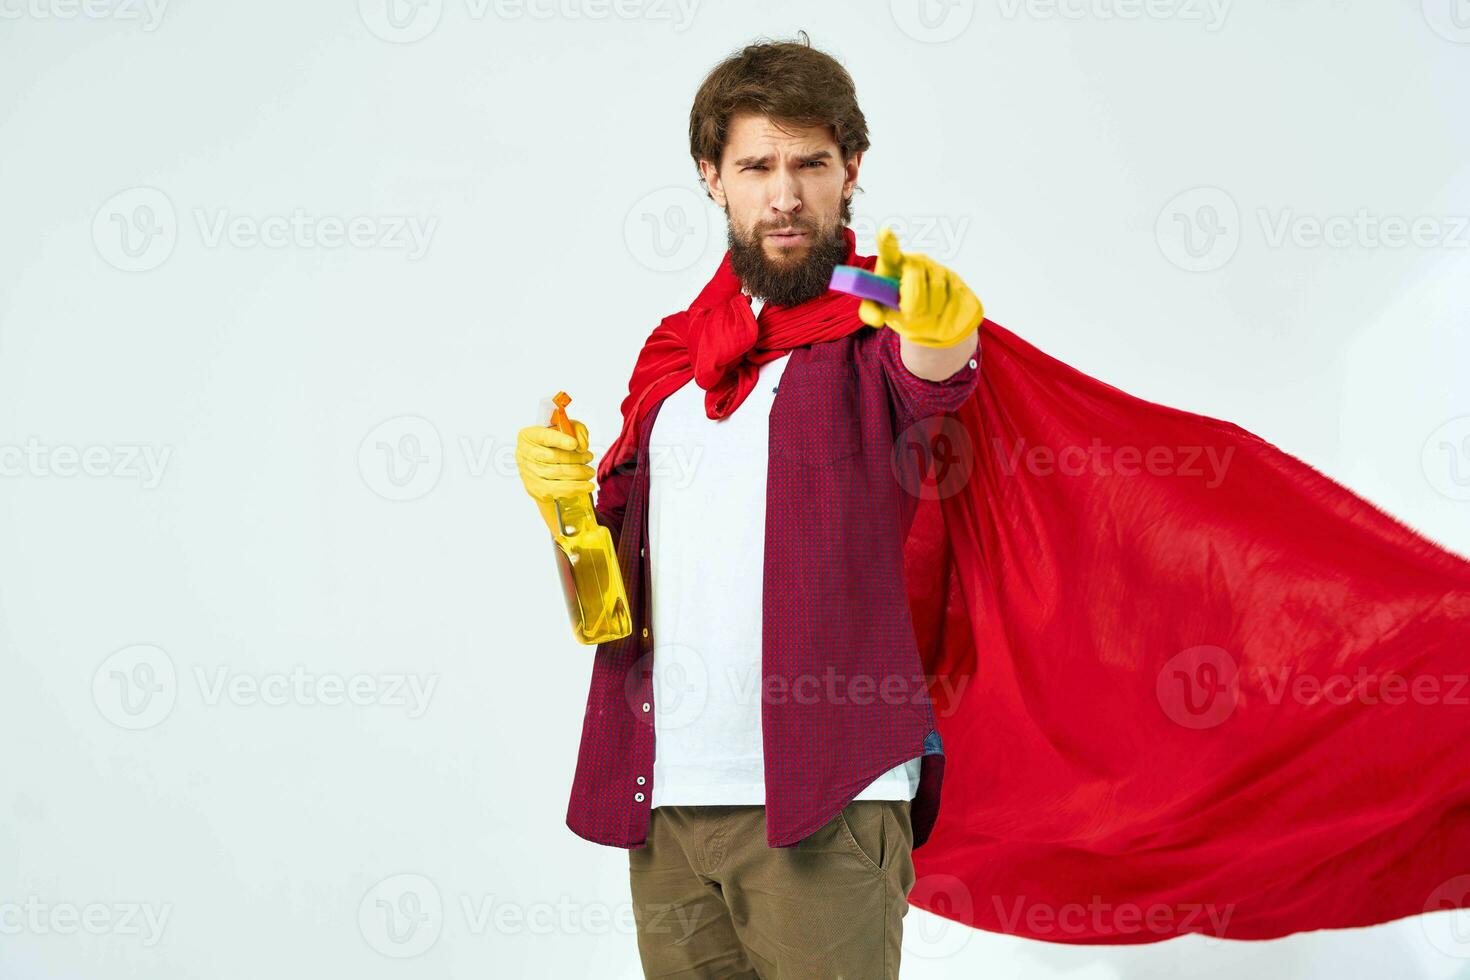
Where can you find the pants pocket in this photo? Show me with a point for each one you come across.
(865, 827)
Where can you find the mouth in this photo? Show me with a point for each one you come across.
(787, 237)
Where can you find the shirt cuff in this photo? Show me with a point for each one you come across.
(920, 396)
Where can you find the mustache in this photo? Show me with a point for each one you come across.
(765, 228)
(787, 283)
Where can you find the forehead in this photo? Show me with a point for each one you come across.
(753, 132)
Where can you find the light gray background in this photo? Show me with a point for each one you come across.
(330, 426)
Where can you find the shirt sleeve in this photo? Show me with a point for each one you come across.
(612, 497)
(916, 398)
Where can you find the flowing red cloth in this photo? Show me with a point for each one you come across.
(1203, 679)
(1185, 682)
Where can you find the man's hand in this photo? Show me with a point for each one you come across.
(936, 308)
(553, 465)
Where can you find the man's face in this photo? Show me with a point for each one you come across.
(785, 192)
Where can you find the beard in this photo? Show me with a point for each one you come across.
(787, 281)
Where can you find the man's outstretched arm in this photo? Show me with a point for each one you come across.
(938, 318)
(938, 363)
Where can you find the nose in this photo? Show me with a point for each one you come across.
(786, 196)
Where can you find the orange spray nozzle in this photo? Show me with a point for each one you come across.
(559, 414)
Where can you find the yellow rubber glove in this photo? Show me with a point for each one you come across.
(553, 465)
(936, 308)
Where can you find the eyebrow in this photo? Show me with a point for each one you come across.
(803, 158)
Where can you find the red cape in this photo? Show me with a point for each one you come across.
(1200, 678)
(1185, 682)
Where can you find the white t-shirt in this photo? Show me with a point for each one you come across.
(706, 532)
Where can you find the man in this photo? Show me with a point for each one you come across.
(772, 791)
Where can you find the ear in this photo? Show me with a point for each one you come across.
(850, 174)
(711, 175)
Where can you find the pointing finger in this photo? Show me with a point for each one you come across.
(890, 256)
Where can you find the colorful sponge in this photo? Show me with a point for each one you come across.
(865, 285)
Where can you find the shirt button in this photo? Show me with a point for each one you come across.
(643, 552)
(638, 797)
(645, 632)
(641, 780)
(972, 363)
(647, 706)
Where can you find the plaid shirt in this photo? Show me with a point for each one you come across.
(843, 694)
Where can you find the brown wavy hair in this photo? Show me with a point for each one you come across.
(789, 81)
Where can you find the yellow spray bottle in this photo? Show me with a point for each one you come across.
(588, 560)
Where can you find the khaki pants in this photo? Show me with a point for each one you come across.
(712, 900)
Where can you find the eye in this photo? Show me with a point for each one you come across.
(816, 163)
(754, 166)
